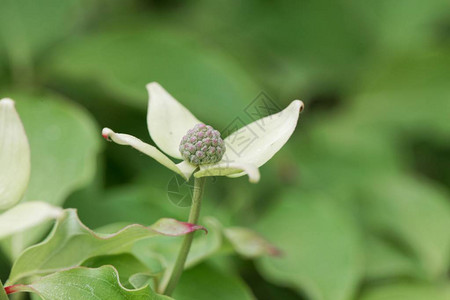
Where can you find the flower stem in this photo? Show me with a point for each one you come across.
(199, 185)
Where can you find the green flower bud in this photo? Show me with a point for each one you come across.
(202, 145)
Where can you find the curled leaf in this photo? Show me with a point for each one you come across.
(248, 243)
(172, 227)
(85, 283)
(71, 242)
(126, 264)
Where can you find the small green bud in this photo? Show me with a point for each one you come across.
(202, 145)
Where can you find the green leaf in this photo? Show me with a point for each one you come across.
(385, 260)
(343, 156)
(126, 265)
(219, 240)
(70, 243)
(414, 216)
(410, 291)
(120, 64)
(27, 28)
(403, 240)
(202, 247)
(205, 283)
(290, 47)
(143, 204)
(3, 295)
(166, 250)
(248, 243)
(139, 280)
(404, 25)
(64, 143)
(87, 284)
(320, 245)
(409, 92)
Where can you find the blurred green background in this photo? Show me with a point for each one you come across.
(357, 200)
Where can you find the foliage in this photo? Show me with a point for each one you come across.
(356, 204)
(85, 283)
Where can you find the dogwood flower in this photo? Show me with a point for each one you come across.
(178, 133)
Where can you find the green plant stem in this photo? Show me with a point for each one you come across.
(199, 185)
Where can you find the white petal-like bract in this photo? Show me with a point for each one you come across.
(227, 169)
(167, 120)
(153, 152)
(27, 215)
(186, 168)
(257, 142)
(14, 155)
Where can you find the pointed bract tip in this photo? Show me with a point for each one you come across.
(7, 102)
(105, 133)
(302, 105)
(254, 179)
(298, 104)
(150, 86)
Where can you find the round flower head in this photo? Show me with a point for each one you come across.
(202, 145)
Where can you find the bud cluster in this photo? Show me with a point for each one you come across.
(202, 145)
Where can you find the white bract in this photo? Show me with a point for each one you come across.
(247, 149)
(27, 215)
(14, 155)
(15, 174)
